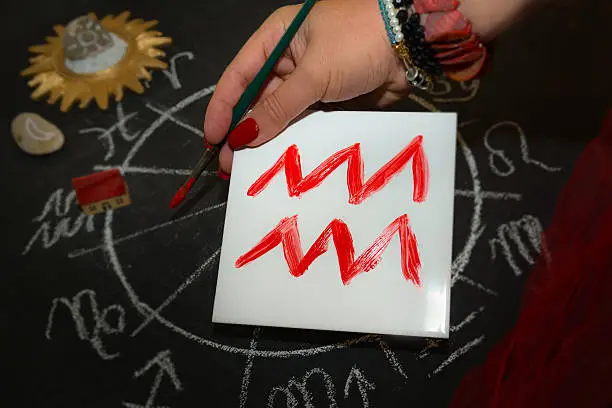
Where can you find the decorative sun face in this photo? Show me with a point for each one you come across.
(91, 59)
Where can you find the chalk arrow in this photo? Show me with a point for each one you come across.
(363, 385)
(165, 367)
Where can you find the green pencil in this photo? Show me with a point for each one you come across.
(245, 101)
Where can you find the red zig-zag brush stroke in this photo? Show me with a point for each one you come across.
(358, 190)
(287, 233)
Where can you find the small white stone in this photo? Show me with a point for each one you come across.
(395, 22)
(397, 29)
(390, 6)
(35, 135)
(399, 37)
(391, 13)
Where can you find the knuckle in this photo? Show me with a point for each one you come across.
(273, 107)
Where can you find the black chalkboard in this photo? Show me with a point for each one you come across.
(115, 310)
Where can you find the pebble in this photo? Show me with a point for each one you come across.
(35, 135)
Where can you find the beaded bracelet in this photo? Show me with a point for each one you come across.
(433, 38)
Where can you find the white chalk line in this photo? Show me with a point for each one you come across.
(458, 353)
(180, 123)
(149, 170)
(392, 358)
(248, 369)
(192, 278)
(196, 96)
(163, 360)
(363, 385)
(476, 230)
(84, 251)
(490, 195)
(467, 320)
(475, 284)
(493, 153)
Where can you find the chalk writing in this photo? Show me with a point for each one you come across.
(163, 362)
(363, 385)
(355, 376)
(501, 155)
(287, 234)
(101, 320)
(106, 135)
(458, 353)
(391, 358)
(468, 319)
(471, 87)
(171, 73)
(511, 231)
(301, 385)
(64, 227)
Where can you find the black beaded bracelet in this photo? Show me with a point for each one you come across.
(422, 53)
(407, 36)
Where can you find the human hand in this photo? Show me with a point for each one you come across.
(340, 53)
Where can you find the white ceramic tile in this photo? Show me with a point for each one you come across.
(264, 292)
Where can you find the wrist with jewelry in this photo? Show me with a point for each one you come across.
(432, 38)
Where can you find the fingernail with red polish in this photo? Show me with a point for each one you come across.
(207, 145)
(223, 175)
(243, 134)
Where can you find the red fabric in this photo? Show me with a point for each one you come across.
(558, 354)
(99, 186)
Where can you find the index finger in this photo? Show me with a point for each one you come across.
(238, 75)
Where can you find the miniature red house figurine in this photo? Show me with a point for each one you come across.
(102, 191)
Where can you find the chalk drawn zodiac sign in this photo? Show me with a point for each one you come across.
(470, 87)
(355, 376)
(172, 73)
(106, 135)
(108, 321)
(65, 227)
(531, 227)
(500, 154)
(165, 367)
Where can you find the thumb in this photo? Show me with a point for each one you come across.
(276, 110)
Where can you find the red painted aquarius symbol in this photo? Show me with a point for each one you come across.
(287, 234)
(358, 189)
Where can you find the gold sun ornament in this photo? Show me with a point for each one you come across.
(91, 59)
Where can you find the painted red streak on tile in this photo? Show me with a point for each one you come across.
(287, 234)
(358, 190)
